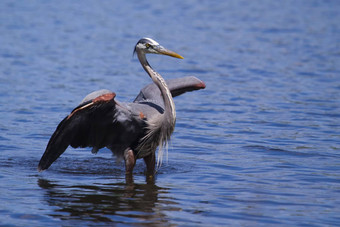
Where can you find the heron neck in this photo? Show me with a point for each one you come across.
(169, 106)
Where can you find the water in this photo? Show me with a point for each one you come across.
(259, 146)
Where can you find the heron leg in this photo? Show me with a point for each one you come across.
(130, 161)
(150, 162)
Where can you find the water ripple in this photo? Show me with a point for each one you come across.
(259, 146)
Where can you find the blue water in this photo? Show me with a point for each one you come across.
(259, 146)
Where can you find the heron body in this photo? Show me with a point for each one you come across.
(130, 130)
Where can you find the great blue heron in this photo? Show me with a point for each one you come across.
(132, 130)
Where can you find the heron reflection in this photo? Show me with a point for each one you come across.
(121, 202)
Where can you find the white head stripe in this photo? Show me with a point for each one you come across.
(152, 41)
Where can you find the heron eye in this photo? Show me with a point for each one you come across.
(147, 45)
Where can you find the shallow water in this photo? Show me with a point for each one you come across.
(259, 146)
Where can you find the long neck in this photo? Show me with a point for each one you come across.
(169, 106)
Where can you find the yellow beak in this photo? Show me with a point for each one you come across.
(164, 51)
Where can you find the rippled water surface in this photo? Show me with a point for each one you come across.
(259, 146)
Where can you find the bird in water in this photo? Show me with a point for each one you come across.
(130, 130)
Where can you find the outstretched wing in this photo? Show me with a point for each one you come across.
(177, 87)
(96, 123)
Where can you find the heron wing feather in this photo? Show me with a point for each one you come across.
(96, 123)
(177, 87)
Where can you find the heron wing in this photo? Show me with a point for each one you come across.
(177, 87)
(96, 123)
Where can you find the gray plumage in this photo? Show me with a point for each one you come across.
(130, 130)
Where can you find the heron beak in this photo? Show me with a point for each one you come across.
(164, 51)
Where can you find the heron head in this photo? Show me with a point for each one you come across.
(150, 46)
